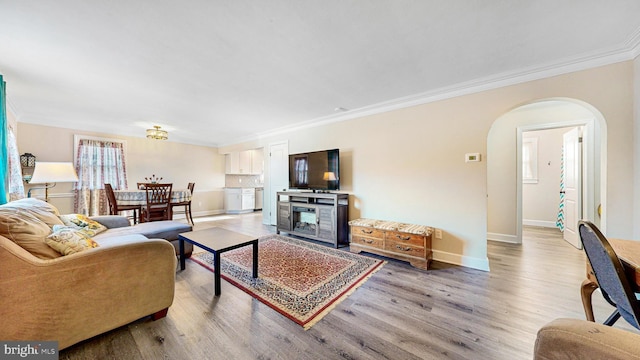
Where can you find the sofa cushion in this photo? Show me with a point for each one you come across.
(83, 223)
(26, 230)
(168, 230)
(42, 210)
(112, 221)
(119, 240)
(69, 240)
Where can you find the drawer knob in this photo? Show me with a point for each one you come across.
(403, 248)
(403, 237)
(367, 231)
(367, 241)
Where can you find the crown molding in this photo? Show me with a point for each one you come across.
(633, 43)
(629, 50)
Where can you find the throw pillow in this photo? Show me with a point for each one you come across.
(36, 207)
(26, 230)
(83, 223)
(69, 240)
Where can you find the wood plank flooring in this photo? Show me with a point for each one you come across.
(448, 312)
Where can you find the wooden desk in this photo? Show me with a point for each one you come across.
(629, 253)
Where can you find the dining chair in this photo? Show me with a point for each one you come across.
(115, 209)
(186, 204)
(610, 274)
(158, 202)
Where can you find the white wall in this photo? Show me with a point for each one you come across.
(408, 164)
(174, 162)
(540, 200)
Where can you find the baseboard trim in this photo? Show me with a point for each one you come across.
(539, 223)
(503, 238)
(461, 260)
(181, 215)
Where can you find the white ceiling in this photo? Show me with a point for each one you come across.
(219, 72)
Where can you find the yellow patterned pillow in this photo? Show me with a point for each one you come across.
(83, 223)
(69, 240)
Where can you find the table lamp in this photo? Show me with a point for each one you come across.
(50, 173)
(329, 176)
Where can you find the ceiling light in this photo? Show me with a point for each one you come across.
(157, 134)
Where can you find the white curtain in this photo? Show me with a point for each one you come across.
(98, 162)
(16, 187)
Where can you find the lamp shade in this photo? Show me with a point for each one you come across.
(52, 172)
(329, 176)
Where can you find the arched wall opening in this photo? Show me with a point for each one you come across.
(504, 161)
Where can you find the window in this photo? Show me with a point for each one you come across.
(98, 161)
(530, 160)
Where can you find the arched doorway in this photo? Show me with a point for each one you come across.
(504, 166)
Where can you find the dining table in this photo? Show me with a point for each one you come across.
(628, 252)
(139, 197)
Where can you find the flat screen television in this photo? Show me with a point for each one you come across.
(318, 170)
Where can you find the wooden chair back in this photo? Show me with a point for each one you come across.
(111, 200)
(158, 202)
(186, 204)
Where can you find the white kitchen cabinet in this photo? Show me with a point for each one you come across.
(232, 200)
(248, 199)
(238, 163)
(239, 200)
(257, 161)
(248, 162)
(230, 163)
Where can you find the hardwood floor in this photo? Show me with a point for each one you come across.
(448, 312)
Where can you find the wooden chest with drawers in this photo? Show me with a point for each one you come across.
(396, 240)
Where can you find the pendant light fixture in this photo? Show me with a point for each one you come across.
(157, 134)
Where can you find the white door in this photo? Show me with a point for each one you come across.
(572, 186)
(278, 177)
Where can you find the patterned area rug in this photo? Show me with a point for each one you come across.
(301, 280)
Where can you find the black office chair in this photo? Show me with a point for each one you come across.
(609, 272)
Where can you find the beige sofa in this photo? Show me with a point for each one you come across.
(581, 339)
(45, 295)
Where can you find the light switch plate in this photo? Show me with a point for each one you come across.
(472, 157)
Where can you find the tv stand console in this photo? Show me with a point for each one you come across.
(314, 215)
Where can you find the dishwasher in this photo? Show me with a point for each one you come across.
(259, 192)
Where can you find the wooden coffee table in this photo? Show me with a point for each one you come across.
(216, 241)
